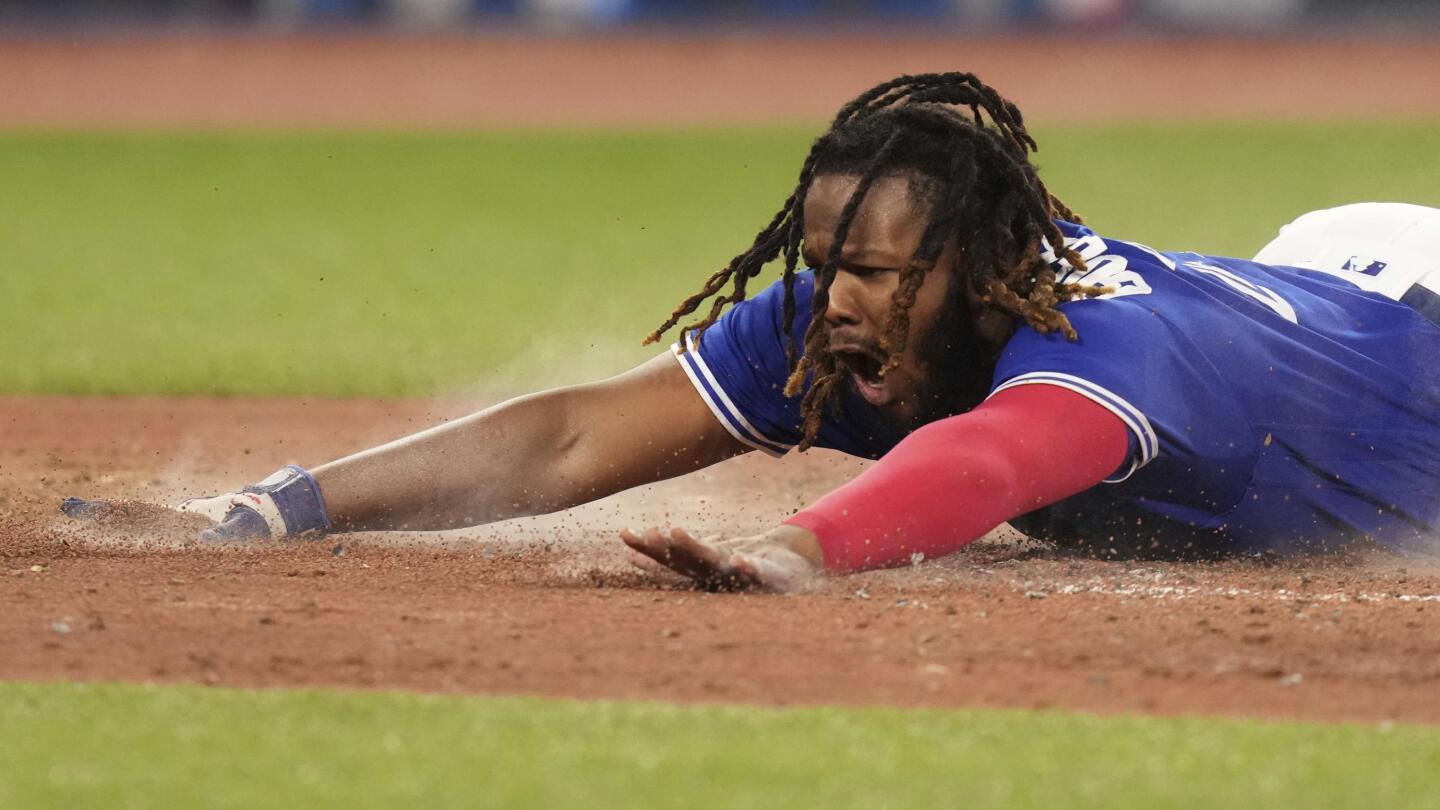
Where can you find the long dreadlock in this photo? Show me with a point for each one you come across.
(984, 194)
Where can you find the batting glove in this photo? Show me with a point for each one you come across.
(287, 504)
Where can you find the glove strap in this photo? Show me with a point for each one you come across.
(297, 498)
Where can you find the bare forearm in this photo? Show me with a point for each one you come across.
(484, 467)
(528, 456)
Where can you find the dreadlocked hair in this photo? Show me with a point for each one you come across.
(965, 150)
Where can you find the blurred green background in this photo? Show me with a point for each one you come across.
(408, 264)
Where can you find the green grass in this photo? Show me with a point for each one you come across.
(402, 264)
(72, 745)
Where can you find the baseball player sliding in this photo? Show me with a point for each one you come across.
(1001, 360)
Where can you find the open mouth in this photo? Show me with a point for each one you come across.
(865, 369)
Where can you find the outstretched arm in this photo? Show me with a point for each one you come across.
(952, 481)
(944, 486)
(534, 454)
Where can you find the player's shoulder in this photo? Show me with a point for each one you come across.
(765, 310)
(1122, 280)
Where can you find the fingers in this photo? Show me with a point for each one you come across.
(745, 574)
(700, 560)
(715, 567)
(677, 551)
(81, 508)
(132, 516)
(745, 567)
(644, 563)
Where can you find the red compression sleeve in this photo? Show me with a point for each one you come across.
(952, 481)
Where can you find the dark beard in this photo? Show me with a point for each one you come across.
(956, 364)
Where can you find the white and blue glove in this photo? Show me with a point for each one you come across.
(287, 504)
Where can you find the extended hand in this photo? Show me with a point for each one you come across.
(218, 519)
(784, 559)
(287, 504)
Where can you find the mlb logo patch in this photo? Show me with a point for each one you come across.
(1370, 267)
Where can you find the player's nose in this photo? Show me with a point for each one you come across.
(844, 307)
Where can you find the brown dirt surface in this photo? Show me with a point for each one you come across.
(506, 79)
(551, 605)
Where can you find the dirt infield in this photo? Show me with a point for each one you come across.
(551, 606)
(636, 80)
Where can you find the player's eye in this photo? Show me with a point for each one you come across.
(865, 271)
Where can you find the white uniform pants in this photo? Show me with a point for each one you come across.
(1381, 247)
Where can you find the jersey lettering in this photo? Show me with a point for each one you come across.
(1245, 286)
(1090, 246)
(1114, 272)
(1103, 269)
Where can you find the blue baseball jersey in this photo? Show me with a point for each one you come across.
(1268, 408)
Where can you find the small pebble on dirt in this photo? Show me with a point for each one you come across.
(1036, 594)
(1293, 679)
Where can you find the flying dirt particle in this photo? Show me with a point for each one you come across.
(60, 627)
(1293, 679)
